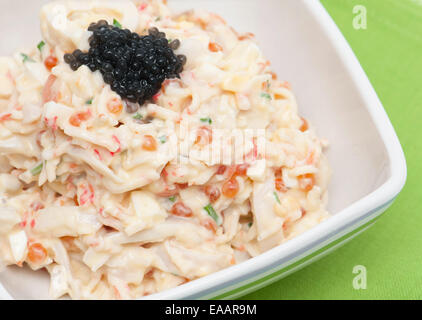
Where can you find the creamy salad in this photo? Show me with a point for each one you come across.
(116, 200)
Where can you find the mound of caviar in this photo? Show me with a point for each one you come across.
(134, 66)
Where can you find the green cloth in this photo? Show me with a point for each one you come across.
(390, 51)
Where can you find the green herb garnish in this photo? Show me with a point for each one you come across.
(266, 96)
(89, 101)
(211, 212)
(26, 58)
(41, 45)
(250, 224)
(206, 120)
(276, 197)
(172, 198)
(37, 170)
(163, 139)
(117, 24)
(138, 116)
(157, 19)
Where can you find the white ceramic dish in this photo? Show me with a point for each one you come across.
(306, 48)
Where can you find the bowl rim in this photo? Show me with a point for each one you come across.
(355, 212)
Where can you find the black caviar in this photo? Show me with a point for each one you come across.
(134, 66)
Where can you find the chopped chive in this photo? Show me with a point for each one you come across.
(37, 170)
(41, 45)
(266, 95)
(163, 139)
(172, 198)
(206, 120)
(89, 101)
(137, 116)
(117, 24)
(211, 212)
(157, 19)
(250, 224)
(276, 197)
(170, 40)
(26, 58)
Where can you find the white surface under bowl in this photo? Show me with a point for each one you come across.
(307, 49)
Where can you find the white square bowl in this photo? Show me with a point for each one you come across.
(307, 49)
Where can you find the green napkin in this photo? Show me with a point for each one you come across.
(390, 51)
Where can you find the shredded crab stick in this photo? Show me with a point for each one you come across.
(48, 93)
(93, 187)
